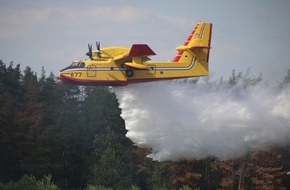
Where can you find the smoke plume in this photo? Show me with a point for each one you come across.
(184, 119)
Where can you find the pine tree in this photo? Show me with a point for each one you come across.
(267, 174)
(10, 94)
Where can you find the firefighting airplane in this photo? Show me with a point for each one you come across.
(119, 66)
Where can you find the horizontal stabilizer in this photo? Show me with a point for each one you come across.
(183, 48)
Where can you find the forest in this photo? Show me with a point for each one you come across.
(59, 136)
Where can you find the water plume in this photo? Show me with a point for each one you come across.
(188, 119)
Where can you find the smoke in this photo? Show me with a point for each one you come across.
(183, 119)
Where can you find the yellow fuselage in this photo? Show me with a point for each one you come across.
(117, 66)
(113, 74)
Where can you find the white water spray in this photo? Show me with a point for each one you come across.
(180, 119)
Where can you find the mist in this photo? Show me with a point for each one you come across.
(188, 119)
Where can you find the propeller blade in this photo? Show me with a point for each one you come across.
(98, 49)
(98, 45)
(90, 53)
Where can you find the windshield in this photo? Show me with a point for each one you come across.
(78, 64)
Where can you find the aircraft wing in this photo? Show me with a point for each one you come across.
(138, 54)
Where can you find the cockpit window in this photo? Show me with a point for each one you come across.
(78, 64)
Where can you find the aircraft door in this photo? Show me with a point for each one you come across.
(92, 71)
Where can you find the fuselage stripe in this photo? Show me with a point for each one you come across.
(122, 69)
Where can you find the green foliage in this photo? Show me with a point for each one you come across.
(77, 135)
(31, 183)
(111, 161)
(246, 79)
(134, 187)
(97, 187)
(160, 188)
(185, 187)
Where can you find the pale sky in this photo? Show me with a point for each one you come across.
(52, 33)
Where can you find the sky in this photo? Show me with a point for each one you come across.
(51, 34)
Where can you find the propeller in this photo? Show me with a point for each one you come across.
(98, 45)
(90, 53)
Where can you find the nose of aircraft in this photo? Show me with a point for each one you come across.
(64, 78)
(62, 74)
